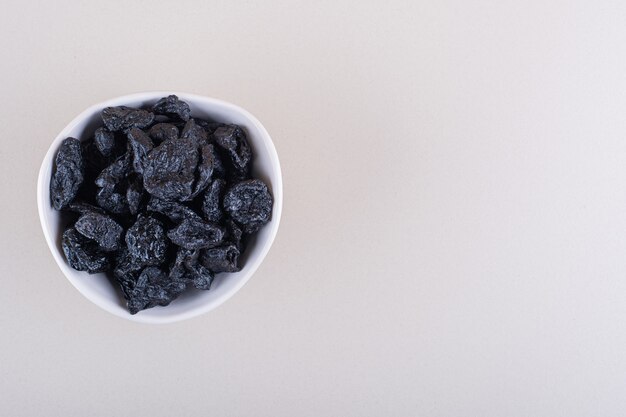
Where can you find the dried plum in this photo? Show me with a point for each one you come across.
(233, 234)
(114, 173)
(163, 131)
(176, 212)
(196, 234)
(250, 204)
(233, 140)
(170, 170)
(204, 171)
(134, 194)
(82, 208)
(221, 259)
(83, 254)
(212, 202)
(100, 228)
(194, 132)
(112, 201)
(151, 288)
(186, 268)
(123, 118)
(68, 175)
(104, 141)
(171, 106)
(139, 145)
(146, 241)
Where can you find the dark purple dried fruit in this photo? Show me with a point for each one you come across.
(134, 194)
(221, 259)
(233, 234)
(123, 118)
(100, 228)
(112, 201)
(139, 145)
(114, 173)
(170, 170)
(68, 175)
(186, 268)
(212, 202)
(200, 277)
(249, 203)
(204, 171)
(176, 212)
(194, 132)
(233, 140)
(171, 106)
(151, 288)
(161, 132)
(104, 141)
(196, 234)
(82, 254)
(146, 241)
(82, 208)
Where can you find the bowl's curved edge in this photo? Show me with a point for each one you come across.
(277, 191)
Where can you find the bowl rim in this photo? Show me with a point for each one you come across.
(277, 192)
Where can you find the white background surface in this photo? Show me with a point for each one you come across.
(452, 241)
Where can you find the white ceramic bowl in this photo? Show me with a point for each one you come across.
(97, 287)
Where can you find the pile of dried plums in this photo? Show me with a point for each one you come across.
(161, 199)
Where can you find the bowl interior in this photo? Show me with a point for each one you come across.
(97, 287)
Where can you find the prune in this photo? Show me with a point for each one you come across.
(83, 254)
(170, 170)
(173, 107)
(146, 241)
(176, 212)
(208, 125)
(114, 173)
(194, 132)
(123, 118)
(104, 140)
(250, 204)
(212, 202)
(134, 194)
(82, 208)
(196, 234)
(204, 171)
(221, 259)
(69, 173)
(112, 201)
(152, 288)
(161, 132)
(233, 234)
(187, 268)
(100, 228)
(233, 140)
(139, 145)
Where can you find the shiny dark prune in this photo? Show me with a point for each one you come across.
(176, 212)
(68, 175)
(163, 131)
(123, 118)
(221, 258)
(249, 203)
(146, 241)
(139, 145)
(104, 141)
(212, 202)
(232, 139)
(83, 254)
(100, 228)
(173, 107)
(152, 287)
(196, 234)
(170, 170)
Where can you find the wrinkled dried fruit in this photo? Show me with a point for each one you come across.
(233, 140)
(161, 132)
(139, 145)
(100, 228)
(176, 212)
(134, 194)
(123, 118)
(233, 234)
(196, 234)
(112, 201)
(82, 208)
(151, 288)
(221, 259)
(146, 241)
(68, 175)
(170, 170)
(250, 204)
(212, 202)
(194, 132)
(171, 106)
(104, 140)
(83, 254)
(114, 173)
